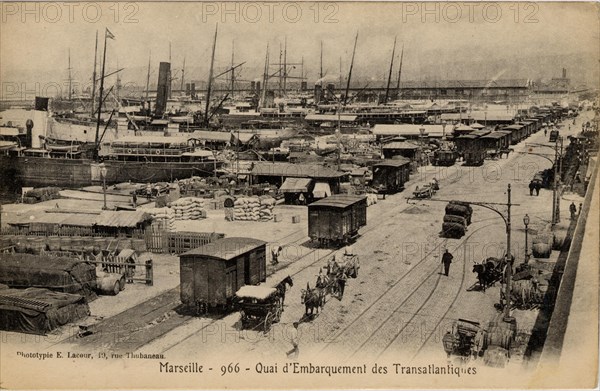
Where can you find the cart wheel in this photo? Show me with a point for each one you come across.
(278, 313)
(268, 322)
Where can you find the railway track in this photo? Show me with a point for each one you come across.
(388, 311)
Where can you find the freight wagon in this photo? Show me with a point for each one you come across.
(336, 219)
(390, 176)
(210, 275)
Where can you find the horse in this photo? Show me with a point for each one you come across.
(312, 299)
(488, 272)
(282, 287)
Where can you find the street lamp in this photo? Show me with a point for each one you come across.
(526, 222)
(421, 133)
(103, 172)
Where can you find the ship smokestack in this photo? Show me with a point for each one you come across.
(330, 91)
(162, 92)
(29, 133)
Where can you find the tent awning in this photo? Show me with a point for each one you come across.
(321, 190)
(295, 185)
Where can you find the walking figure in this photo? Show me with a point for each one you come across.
(545, 132)
(293, 354)
(134, 200)
(580, 206)
(447, 260)
(573, 210)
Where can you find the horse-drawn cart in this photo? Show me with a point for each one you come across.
(259, 306)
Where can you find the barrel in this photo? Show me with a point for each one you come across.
(21, 244)
(498, 335)
(560, 239)
(139, 245)
(295, 219)
(36, 245)
(544, 237)
(53, 243)
(455, 219)
(541, 250)
(108, 285)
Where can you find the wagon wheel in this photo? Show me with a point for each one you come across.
(268, 322)
(278, 312)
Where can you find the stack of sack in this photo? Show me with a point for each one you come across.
(253, 208)
(163, 217)
(371, 199)
(188, 208)
(267, 203)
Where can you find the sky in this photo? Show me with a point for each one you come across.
(441, 40)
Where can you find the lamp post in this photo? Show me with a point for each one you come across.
(421, 133)
(526, 222)
(103, 172)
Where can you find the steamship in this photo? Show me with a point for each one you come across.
(24, 161)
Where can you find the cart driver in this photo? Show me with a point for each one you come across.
(321, 279)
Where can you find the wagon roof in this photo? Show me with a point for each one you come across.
(255, 292)
(398, 162)
(226, 248)
(339, 201)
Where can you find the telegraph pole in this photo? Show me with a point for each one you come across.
(509, 264)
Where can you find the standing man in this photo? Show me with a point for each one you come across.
(531, 188)
(275, 251)
(134, 200)
(293, 354)
(580, 207)
(341, 284)
(447, 260)
(573, 210)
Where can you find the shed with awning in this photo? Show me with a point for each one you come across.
(296, 185)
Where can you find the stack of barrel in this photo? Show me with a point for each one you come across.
(456, 220)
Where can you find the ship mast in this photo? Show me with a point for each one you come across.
(387, 90)
(148, 81)
(285, 67)
(70, 80)
(400, 71)
(182, 74)
(101, 92)
(321, 71)
(94, 75)
(210, 76)
(232, 68)
(350, 71)
(265, 78)
(169, 76)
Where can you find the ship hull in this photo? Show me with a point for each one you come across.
(17, 172)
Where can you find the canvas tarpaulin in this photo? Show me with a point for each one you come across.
(58, 274)
(321, 190)
(38, 311)
(295, 185)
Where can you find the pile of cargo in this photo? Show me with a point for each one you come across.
(41, 194)
(253, 208)
(188, 208)
(371, 199)
(457, 218)
(163, 217)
